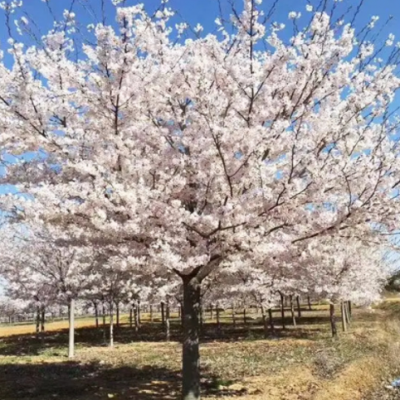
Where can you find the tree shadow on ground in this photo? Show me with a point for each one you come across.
(76, 381)
(30, 344)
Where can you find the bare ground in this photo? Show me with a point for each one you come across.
(302, 363)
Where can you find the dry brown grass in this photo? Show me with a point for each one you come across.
(301, 364)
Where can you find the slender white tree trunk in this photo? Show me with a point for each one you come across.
(71, 346)
(111, 324)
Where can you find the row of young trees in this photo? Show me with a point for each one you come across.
(166, 159)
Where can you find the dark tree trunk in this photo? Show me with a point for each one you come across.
(181, 312)
(37, 320)
(131, 317)
(350, 314)
(271, 321)
(201, 314)
(151, 313)
(233, 316)
(104, 323)
(292, 310)
(309, 303)
(283, 312)
(298, 306)
(43, 319)
(117, 313)
(333, 319)
(244, 316)
(139, 313)
(265, 323)
(211, 312)
(136, 317)
(96, 313)
(162, 314)
(343, 315)
(190, 351)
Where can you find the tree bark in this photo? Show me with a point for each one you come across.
(244, 316)
(167, 320)
(71, 344)
(343, 315)
(131, 317)
(333, 319)
(217, 311)
(111, 324)
(139, 313)
(350, 314)
(271, 321)
(346, 309)
(162, 313)
(96, 314)
(283, 312)
(292, 310)
(265, 323)
(190, 351)
(43, 319)
(309, 303)
(298, 306)
(104, 322)
(117, 312)
(151, 313)
(136, 317)
(233, 316)
(37, 320)
(211, 312)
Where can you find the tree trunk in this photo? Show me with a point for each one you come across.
(37, 320)
(309, 303)
(343, 315)
(271, 321)
(346, 309)
(151, 313)
(131, 317)
(104, 323)
(111, 324)
(201, 314)
(283, 312)
(117, 312)
(162, 314)
(136, 317)
(333, 319)
(292, 310)
(244, 316)
(190, 350)
(265, 323)
(233, 316)
(167, 320)
(350, 314)
(298, 306)
(43, 319)
(139, 313)
(96, 314)
(71, 345)
(211, 312)
(217, 311)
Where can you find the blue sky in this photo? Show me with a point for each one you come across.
(205, 11)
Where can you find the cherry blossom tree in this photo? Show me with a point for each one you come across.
(218, 150)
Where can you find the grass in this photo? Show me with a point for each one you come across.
(302, 363)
